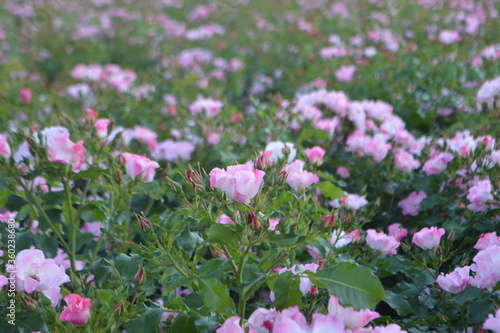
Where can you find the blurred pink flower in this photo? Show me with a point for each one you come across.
(449, 36)
(315, 154)
(397, 232)
(25, 95)
(345, 73)
(479, 195)
(405, 161)
(4, 146)
(493, 322)
(437, 164)
(411, 205)
(63, 150)
(487, 267)
(170, 150)
(487, 240)
(297, 178)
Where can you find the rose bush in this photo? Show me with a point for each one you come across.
(301, 166)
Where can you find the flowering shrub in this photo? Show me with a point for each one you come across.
(243, 166)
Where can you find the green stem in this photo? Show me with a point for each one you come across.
(73, 225)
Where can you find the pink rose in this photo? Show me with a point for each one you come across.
(224, 219)
(455, 281)
(78, 310)
(141, 134)
(493, 322)
(101, 125)
(3, 281)
(487, 240)
(487, 267)
(377, 147)
(343, 172)
(272, 224)
(137, 165)
(231, 325)
(479, 195)
(397, 232)
(315, 154)
(437, 164)
(278, 150)
(427, 239)
(381, 242)
(411, 205)
(352, 319)
(210, 106)
(297, 178)
(172, 151)
(63, 150)
(405, 161)
(25, 95)
(35, 273)
(345, 73)
(4, 146)
(449, 36)
(239, 183)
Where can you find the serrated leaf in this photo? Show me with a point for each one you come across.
(183, 324)
(215, 295)
(146, 322)
(353, 284)
(330, 190)
(287, 291)
(47, 244)
(127, 266)
(220, 234)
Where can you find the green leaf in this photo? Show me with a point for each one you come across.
(24, 240)
(183, 324)
(353, 284)
(146, 322)
(4, 195)
(127, 266)
(287, 291)
(188, 241)
(47, 244)
(220, 234)
(330, 190)
(213, 268)
(216, 295)
(28, 322)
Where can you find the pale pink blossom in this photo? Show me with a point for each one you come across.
(487, 240)
(487, 267)
(493, 322)
(397, 232)
(224, 219)
(479, 195)
(353, 319)
(455, 281)
(343, 172)
(4, 146)
(101, 126)
(381, 242)
(63, 150)
(411, 205)
(35, 273)
(210, 106)
(297, 178)
(231, 325)
(279, 149)
(273, 223)
(377, 147)
(315, 154)
(213, 139)
(240, 182)
(3, 281)
(449, 36)
(137, 165)
(428, 238)
(141, 134)
(405, 161)
(170, 150)
(437, 164)
(345, 73)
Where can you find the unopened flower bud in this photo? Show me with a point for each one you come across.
(264, 160)
(140, 276)
(252, 220)
(144, 223)
(29, 304)
(329, 220)
(120, 309)
(118, 175)
(194, 178)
